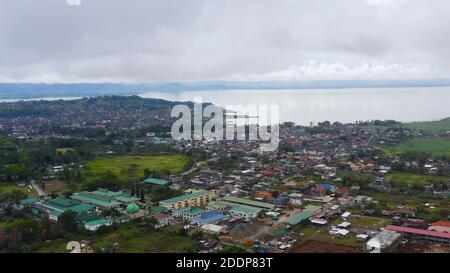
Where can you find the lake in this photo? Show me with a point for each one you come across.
(345, 105)
(303, 106)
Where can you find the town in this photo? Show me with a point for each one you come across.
(105, 172)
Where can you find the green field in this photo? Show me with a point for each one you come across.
(428, 127)
(408, 179)
(8, 188)
(441, 126)
(133, 166)
(435, 146)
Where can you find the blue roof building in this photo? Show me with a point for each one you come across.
(208, 217)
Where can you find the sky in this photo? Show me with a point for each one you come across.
(206, 40)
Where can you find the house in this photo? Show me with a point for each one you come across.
(162, 220)
(264, 196)
(339, 232)
(319, 190)
(384, 241)
(296, 199)
(346, 215)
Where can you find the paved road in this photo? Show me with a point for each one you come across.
(37, 188)
(195, 167)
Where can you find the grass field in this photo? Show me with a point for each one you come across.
(428, 127)
(435, 146)
(441, 126)
(409, 179)
(7, 188)
(133, 166)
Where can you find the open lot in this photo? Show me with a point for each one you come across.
(358, 223)
(133, 166)
(54, 186)
(313, 246)
(130, 239)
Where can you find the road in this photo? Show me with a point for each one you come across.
(38, 189)
(195, 167)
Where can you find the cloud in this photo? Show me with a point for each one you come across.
(313, 70)
(169, 40)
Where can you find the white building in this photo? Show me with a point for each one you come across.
(384, 240)
(296, 199)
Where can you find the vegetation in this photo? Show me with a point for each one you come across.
(7, 188)
(435, 127)
(126, 167)
(130, 238)
(435, 146)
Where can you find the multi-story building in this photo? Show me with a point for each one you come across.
(195, 199)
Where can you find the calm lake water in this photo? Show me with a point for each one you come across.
(316, 105)
(344, 105)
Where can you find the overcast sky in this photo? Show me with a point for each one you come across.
(190, 40)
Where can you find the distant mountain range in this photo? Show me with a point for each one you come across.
(42, 90)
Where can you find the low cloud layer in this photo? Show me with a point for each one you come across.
(168, 40)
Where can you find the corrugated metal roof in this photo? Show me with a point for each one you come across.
(297, 218)
(419, 231)
(249, 202)
(156, 181)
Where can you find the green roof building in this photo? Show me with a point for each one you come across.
(158, 209)
(60, 204)
(28, 201)
(132, 209)
(104, 198)
(156, 181)
(94, 225)
(246, 212)
(94, 199)
(188, 213)
(305, 214)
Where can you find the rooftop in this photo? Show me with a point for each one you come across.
(441, 224)
(248, 202)
(419, 231)
(94, 199)
(184, 197)
(156, 181)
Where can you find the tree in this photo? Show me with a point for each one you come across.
(68, 221)
(183, 232)
(147, 173)
(142, 196)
